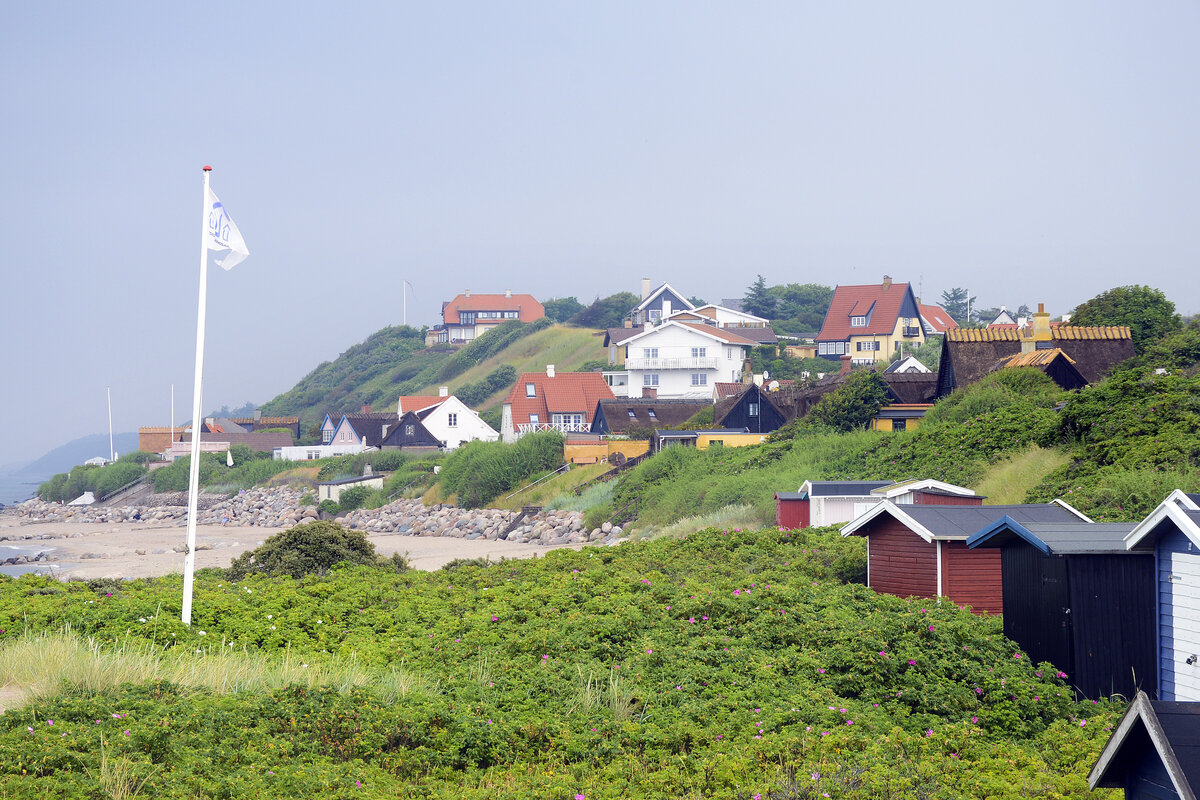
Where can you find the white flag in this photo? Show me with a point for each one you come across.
(222, 234)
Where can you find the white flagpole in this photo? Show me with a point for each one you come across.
(111, 457)
(189, 560)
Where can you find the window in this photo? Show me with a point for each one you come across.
(409, 430)
(568, 421)
(650, 379)
(650, 413)
(649, 352)
(327, 436)
(699, 379)
(858, 322)
(530, 390)
(823, 348)
(452, 420)
(632, 415)
(699, 352)
(752, 409)
(313, 455)
(728, 353)
(867, 346)
(533, 419)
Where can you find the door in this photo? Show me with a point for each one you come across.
(1180, 608)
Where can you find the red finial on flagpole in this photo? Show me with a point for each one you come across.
(207, 168)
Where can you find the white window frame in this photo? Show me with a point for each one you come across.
(650, 379)
(858, 322)
(699, 352)
(699, 379)
(649, 352)
(531, 390)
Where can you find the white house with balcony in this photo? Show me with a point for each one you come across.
(678, 359)
(548, 400)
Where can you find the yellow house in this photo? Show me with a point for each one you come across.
(900, 417)
(869, 323)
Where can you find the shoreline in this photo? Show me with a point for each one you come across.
(132, 550)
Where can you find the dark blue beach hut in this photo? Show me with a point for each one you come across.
(1172, 533)
(1154, 753)
(1074, 595)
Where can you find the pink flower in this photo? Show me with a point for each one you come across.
(930, 627)
(545, 657)
(579, 797)
(822, 671)
(49, 722)
(912, 662)
(737, 592)
(495, 618)
(358, 784)
(1082, 722)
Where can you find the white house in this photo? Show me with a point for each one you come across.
(722, 317)
(680, 359)
(454, 423)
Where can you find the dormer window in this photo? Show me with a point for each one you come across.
(531, 390)
(858, 322)
(632, 415)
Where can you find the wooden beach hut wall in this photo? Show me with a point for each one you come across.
(921, 551)
(1172, 533)
(1076, 597)
(1154, 753)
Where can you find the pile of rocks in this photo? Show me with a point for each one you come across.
(413, 518)
(280, 507)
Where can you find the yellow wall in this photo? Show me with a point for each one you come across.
(887, 343)
(604, 449)
(704, 440)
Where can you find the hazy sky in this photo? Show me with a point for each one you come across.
(1029, 151)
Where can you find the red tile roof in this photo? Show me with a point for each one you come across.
(883, 305)
(416, 402)
(529, 308)
(937, 317)
(723, 389)
(566, 392)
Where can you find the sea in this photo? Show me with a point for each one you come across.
(16, 488)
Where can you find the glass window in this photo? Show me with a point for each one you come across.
(650, 379)
(699, 352)
(530, 390)
(651, 414)
(649, 352)
(858, 322)
(452, 420)
(409, 430)
(631, 414)
(699, 378)
(752, 409)
(533, 419)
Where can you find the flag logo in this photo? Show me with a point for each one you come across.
(221, 233)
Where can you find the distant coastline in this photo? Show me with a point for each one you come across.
(17, 488)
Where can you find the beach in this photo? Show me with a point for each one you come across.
(131, 550)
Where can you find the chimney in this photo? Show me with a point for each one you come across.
(747, 373)
(366, 408)
(645, 288)
(508, 292)
(628, 323)
(549, 370)
(845, 365)
(467, 293)
(1039, 331)
(887, 282)
(666, 309)
(443, 391)
(649, 392)
(257, 415)
(209, 421)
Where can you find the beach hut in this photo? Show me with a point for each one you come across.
(1074, 595)
(829, 502)
(1172, 533)
(921, 551)
(1154, 753)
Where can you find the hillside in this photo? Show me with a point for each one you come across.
(395, 361)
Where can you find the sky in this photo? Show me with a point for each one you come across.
(1028, 151)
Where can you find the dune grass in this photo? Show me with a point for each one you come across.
(739, 516)
(1008, 481)
(37, 666)
(549, 490)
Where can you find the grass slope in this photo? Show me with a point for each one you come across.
(1009, 481)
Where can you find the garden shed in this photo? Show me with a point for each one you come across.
(921, 551)
(1074, 595)
(1154, 753)
(1172, 533)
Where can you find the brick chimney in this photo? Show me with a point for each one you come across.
(887, 282)
(366, 408)
(649, 392)
(845, 365)
(747, 373)
(549, 370)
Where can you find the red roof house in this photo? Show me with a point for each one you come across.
(552, 401)
(469, 316)
(869, 323)
(935, 319)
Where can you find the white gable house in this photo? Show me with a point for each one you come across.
(454, 423)
(679, 359)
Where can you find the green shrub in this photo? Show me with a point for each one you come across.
(354, 497)
(311, 548)
(480, 471)
(328, 507)
(500, 378)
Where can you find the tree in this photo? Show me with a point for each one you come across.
(851, 406)
(697, 301)
(800, 308)
(607, 312)
(758, 300)
(1147, 311)
(958, 302)
(561, 309)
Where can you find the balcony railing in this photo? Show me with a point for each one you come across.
(670, 363)
(561, 427)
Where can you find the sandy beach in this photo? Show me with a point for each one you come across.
(134, 550)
